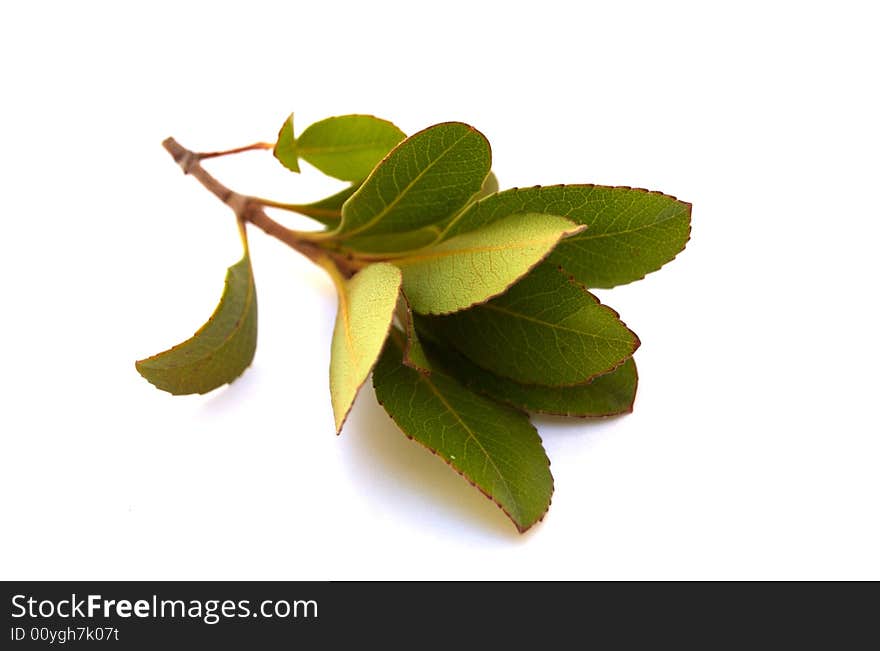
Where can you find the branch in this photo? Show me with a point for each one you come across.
(237, 150)
(250, 209)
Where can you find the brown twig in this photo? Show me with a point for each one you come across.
(237, 150)
(250, 209)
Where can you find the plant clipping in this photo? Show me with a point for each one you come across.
(470, 306)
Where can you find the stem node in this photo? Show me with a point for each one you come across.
(250, 209)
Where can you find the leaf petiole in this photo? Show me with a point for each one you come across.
(238, 150)
(249, 209)
(301, 208)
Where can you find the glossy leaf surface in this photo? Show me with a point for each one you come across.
(629, 233)
(545, 330)
(494, 447)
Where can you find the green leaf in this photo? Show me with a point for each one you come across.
(607, 395)
(366, 310)
(413, 354)
(476, 266)
(423, 181)
(494, 447)
(392, 244)
(222, 348)
(285, 147)
(348, 147)
(328, 211)
(545, 330)
(630, 232)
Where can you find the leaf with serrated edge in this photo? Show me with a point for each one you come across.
(423, 181)
(631, 232)
(285, 147)
(607, 395)
(545, 330)
(221, 349)
(366, 310)
(348, 147)
(494, 447)
(474, 267)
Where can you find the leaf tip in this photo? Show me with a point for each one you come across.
(574, 230)
(341, 416)
(139, 367)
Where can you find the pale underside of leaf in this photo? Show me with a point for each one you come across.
(490, 186)
(366, 310)
(632, 232)
(220, 350)
(492, 446)
(547, 330)
(474, 267)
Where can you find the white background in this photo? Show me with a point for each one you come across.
(753, 450)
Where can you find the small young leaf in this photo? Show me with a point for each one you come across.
(607, 395)
(413, 354)
(392, 244)
(285, 147)
(631, 232)
(490, 186)
(545, 330)
(348, 147)
(222, 348)
(494, 447)
(328, 211)
(366, 309)
(476, 266)
(423, 181)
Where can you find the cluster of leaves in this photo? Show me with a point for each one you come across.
(469, 306)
